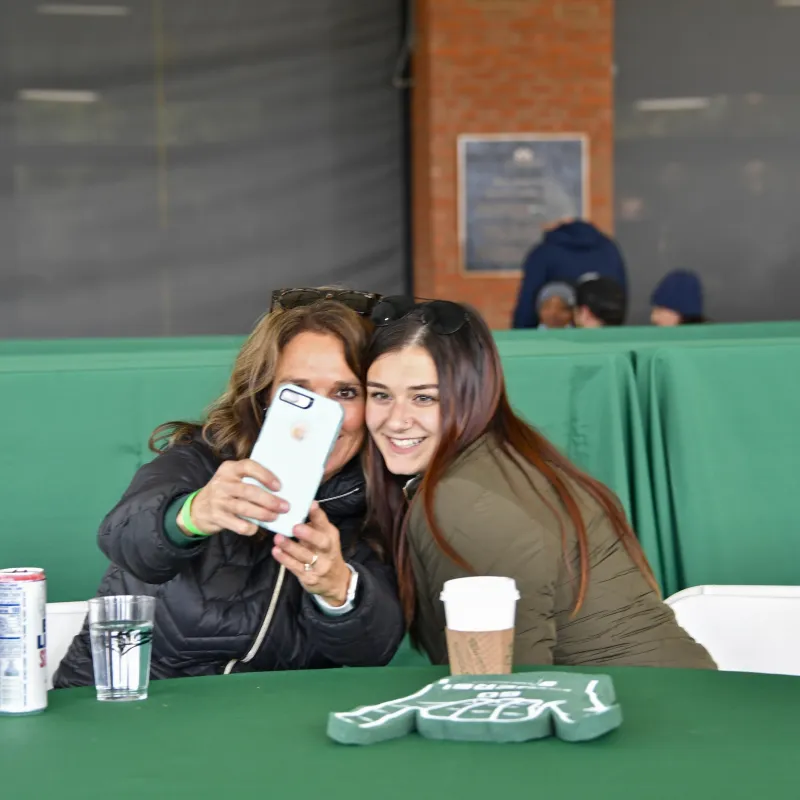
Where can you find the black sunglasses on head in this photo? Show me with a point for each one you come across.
(442, 316)
(360, 302)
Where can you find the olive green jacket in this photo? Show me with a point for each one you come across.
(488, 511)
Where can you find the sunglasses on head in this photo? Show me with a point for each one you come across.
(360, 302)
(441, 316)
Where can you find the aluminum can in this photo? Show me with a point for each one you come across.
(23, 641)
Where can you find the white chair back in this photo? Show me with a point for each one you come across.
(745, 628)
(64, 622)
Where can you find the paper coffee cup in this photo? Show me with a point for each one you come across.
(479, 614)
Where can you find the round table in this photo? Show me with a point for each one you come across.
(686, 734)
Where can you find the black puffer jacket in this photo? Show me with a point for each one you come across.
(213, 596)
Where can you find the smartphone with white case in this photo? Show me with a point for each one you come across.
(299, 431)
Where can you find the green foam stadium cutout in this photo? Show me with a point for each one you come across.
(489, 708)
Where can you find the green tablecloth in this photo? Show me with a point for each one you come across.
(696, 428)
(77, 425)
(80, 418)
(635, 338)
(719, 415)
(690, 735)
(724, 448)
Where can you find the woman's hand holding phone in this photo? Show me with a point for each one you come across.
(319, 547)
(225, 499)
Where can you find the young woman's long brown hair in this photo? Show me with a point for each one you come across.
(234, 420)
(473, 402)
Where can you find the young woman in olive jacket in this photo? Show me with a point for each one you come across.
(469, 488)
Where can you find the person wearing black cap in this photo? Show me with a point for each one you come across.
(677, 300)
(599, 302)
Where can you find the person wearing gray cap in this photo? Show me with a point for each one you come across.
(555, 305)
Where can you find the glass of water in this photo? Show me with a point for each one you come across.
(121, 630)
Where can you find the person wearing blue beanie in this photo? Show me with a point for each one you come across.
(677, 300)
(568, 250)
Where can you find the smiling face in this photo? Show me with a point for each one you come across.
(403, 415)
(316, 361)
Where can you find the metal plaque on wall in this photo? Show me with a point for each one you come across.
(512, 185)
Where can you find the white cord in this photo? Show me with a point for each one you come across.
(272, 605)
(264, 625)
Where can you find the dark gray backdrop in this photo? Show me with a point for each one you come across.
(231, 148)
(715, 188)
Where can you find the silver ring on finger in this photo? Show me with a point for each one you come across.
(310, 565)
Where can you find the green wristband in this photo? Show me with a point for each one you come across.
(185, 516)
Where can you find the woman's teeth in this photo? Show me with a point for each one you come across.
(405, 443)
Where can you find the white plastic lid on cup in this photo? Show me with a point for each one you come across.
(482, 603)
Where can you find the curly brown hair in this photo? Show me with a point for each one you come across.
(233, 421)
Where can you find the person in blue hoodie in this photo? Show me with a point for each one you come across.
(567, 252)
(677, 300)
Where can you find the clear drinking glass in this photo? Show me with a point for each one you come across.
(121, 630)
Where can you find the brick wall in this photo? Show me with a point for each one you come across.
(501, 66)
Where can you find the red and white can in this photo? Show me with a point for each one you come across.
(23, 641)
